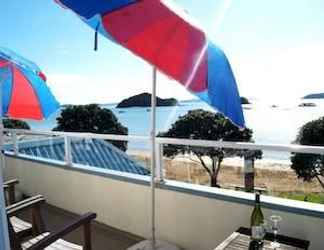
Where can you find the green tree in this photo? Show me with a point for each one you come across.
(200, 124)
(15, 124)
(93, 119)
(310, 166)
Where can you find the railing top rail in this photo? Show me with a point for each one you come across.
(244, 145)
(112, 137)
(177, 141)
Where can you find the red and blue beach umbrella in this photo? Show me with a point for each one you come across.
(23, 95)
(24, 92)
(165, 36)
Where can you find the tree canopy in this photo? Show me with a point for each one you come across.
(93, 119)
(15, 124)
(200, 124)
(310, 166)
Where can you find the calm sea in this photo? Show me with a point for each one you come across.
(270, 125)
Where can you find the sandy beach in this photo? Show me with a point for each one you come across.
(274, 176)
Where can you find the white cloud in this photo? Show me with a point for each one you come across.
(220, 15)
(82, 89)
(275, 76)
(281, 75)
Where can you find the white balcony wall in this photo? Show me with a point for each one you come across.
(186, 218)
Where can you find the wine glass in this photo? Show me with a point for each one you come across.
(275, 219)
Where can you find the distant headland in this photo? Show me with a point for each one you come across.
(144, 100)
(314, 96)
(244, 100)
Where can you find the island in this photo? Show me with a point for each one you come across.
(144, 100)
(314, 96)
(244, 100)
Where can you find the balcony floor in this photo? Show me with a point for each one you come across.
(103, 237)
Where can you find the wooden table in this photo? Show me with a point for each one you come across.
(240, 240)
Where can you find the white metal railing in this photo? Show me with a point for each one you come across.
(160, 142)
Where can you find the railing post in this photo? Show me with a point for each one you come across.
(248, 174)
(68, 152)
(159, 175)
(15, 143)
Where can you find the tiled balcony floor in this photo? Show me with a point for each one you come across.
(103, 237)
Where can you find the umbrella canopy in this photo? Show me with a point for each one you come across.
(165, 37)
(25, 94)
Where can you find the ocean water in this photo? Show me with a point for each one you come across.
(270, 125)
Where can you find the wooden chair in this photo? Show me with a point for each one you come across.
(10, 191)
(47, 240)
(21, 227)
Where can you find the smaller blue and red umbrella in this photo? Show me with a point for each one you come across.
(24, 92)
(23, 95)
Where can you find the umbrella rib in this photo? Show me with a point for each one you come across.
(11, 89)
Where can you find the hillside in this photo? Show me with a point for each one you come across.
(314, 96)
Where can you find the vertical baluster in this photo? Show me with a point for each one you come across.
(15, 143)
(159, 163)
(68, 151)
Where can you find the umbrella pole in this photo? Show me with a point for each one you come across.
(4, 236)
(153, 155)
(153, 244)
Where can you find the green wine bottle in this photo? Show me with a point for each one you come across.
(257, 219)
(256, 245)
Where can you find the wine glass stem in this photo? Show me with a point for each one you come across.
(275, 237)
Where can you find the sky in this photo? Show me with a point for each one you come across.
(276, 49)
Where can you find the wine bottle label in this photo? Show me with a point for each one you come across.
(257, 232)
